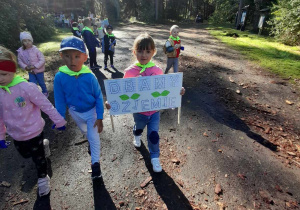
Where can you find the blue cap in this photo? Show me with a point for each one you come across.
(72, 43)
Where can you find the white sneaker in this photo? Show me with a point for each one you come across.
(44, 186)
(156, 165)
(137, 141)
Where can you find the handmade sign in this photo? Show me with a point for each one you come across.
(142, 94)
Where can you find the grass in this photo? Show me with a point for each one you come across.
(53, 45)
(278, 58)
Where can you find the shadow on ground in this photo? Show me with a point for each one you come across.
(165, 185)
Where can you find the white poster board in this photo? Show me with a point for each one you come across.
(142, 94)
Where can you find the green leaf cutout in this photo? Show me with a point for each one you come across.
(155, 94)
(124, 97)
(135, 96)
(165, 93)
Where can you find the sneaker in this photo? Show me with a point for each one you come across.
(112, 66)
(93, 68)
(105, 68)
(46, 94)
(44, 186)
(96, 171)
(97, 66)
(137, 141)
(156, 165)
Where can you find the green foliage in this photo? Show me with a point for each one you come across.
(273, 56)
(23, 15)
(286, 21)
(225, 11)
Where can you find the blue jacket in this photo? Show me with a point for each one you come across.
(90, 39)
(80, 94)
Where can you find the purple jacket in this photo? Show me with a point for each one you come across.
(31, 56)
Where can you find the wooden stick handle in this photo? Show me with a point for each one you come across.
(179, 113)
(112, 123)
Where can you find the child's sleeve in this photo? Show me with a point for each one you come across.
(41, 59)
(59, 98)
(168, 44)
(40, 100)
(20, 62)
(99, 98)
(2, 130)
(78, 33)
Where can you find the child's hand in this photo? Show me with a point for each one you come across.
(107, 105)
(60, 128)
(182, 91)
(3, 144)
(99, 124)
(27, 68)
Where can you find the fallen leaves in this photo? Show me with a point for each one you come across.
(20, 202)
(289, 102)
(242, 176)
(146, 182)
(5, 184)
(218, 189)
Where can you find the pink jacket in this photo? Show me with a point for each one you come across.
(31, 56)
(20, 112)
(134, 71)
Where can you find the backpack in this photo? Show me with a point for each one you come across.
(169, 49)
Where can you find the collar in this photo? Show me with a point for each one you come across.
(16, 80)
(75, 28)
(144, 66)
(87, 29)
(110, 35)
(100, 28)
(175, 39)
(66, 70)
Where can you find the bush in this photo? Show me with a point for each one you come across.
(285, 22)
(23, 15)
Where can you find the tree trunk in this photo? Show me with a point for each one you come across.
(240, 13)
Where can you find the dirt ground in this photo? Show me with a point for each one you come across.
(237, 146)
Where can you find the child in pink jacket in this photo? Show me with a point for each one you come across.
(144, 49)
(32, 60)
(21, 103)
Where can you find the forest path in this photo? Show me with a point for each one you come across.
(222, 139)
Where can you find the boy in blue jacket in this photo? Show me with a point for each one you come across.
(91, 43)
(77, 88)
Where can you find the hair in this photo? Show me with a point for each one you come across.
(174, 27)
(144, 42)
(87, 22)
(74, 24)
(7, 55)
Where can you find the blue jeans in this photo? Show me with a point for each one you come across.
(38, 79)
(85, 121)
(152, 123)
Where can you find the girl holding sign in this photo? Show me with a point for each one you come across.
(144, 49)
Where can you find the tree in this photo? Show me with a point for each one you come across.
(286, 21)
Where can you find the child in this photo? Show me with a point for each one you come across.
(32, 60)
(20, 116)
(108, 47)
(100, 31)
(144, 49)
(77, 88)
(173, 46)
(80, 25)
(91, 43)
(75, 30)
